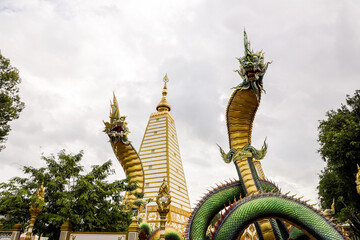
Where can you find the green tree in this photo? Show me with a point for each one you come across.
(10, 104)
(91, 202)
(339, 139)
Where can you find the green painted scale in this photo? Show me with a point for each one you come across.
(251, 199)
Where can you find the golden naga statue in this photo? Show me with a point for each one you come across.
(40, 193)
(163, 199)
(358, 180)
(128, 157)
(331, 211)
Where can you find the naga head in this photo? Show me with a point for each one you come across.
(116, 129)
(252, 69)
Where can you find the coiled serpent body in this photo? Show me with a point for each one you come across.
(251, 199)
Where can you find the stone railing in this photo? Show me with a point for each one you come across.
(68, 234)
(11, 234)
(97, 235)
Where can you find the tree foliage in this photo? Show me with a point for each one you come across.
(10, 104)
(88, 199)
(339, 138)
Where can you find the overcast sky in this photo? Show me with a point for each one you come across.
(73, 54)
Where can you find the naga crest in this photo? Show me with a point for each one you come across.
(117, 128)
(245, 152)
(252, 69)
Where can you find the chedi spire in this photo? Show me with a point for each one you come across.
(163, 105)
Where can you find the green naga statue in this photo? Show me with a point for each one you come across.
(252, 199)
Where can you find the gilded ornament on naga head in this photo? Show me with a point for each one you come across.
(243, 153)
(252, 69)
(117, 128)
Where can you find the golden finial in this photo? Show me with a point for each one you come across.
(166, 79)
(114, 109)
(358, 179)
(163, 105)
(40, 193)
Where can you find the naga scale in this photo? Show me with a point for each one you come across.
(251, 199)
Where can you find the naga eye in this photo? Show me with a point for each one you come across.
(254, 58)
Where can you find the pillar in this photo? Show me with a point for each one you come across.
(16, 232)
(65, 229)
(133, 230)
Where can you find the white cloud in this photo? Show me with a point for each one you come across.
(73, 54)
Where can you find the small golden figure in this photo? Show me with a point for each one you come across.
(358, 180)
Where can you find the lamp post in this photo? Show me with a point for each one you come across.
(163, 201)
(35, 210)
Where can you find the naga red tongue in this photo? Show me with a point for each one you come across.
(117, 128)
(250, 74)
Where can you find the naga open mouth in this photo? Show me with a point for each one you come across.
(250, 72)
(117, 128)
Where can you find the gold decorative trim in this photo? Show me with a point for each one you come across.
(100, 233)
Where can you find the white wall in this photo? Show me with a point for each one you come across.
(97, 236)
